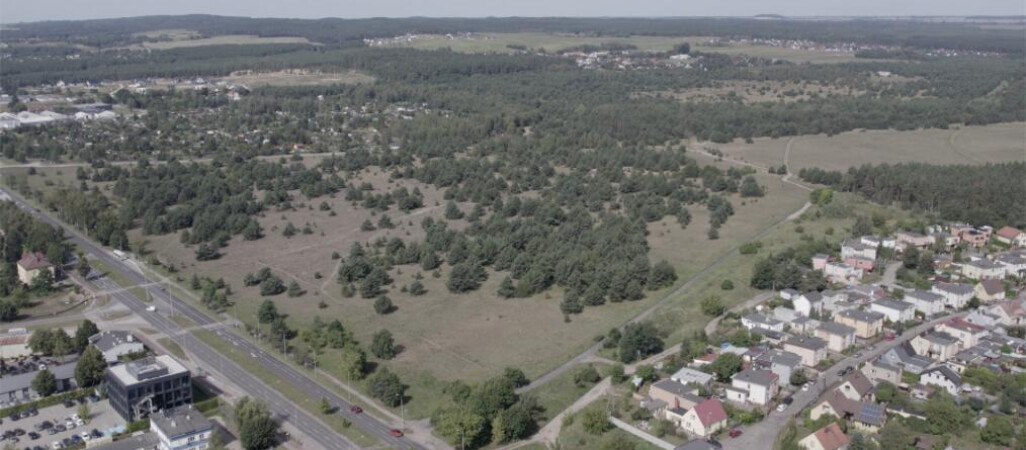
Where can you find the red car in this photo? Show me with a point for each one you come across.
(735, 433)
(396, 432)
(355, 409)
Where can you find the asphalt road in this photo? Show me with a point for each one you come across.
(285, 409)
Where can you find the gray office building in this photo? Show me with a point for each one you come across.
(148, 385)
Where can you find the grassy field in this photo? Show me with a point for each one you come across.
(963, 145)
(230, 39)
(574, 436)
(296, 78)
(558, 394)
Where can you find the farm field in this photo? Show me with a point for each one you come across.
(230, 39)
(296, 78)
(964, 145)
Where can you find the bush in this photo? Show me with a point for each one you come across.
(727, 285)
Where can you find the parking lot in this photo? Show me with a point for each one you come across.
(56, 426)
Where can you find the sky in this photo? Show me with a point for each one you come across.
(37, 10)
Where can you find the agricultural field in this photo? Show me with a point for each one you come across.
(296, 78)
(958, 145)
(500, 42)
(230, 39)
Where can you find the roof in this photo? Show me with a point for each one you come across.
(946, 372)
(908, 356)
(753, 376)
(688, 375)
(992, 287)
(961, 324)
(759, 318)
(857, 245)
(984, 264)
(23, 381)
(147, 368)
(881, 364)
(783, 358)
(862, 316)
(142, 441)
(896, 305)
(925, 296)
(813, 296)
(808, 343)
(831, 437)
(940, 337)
(179, 422)
(710, 411)
(1012, 308)
(859, 381)
(836, 329)
(954, 288)
(1008, 232)
(108, 339)
(677, 389)
(871, 413)
(33, 261)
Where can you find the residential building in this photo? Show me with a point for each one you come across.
(925, 302)
(144, 386)
(819, 261)
(983, 317)
(936, 345)
(31, 265)
(705, 419)
(841, 273)
(856, 386)
(943, 377)
(760, 386)
(804, 325)
(788, 294)
(864, 416)
(781, 363)
(756, 320)
(877, 241)
(862, 264)
(181, 428)
(1011, 236)
(956, 295)
(1015, 265)
(879, 370)
(674, 394)
(838, 337)
(811, 350)
(829, 437)
(905, 357)
(968, 334)
(907, 238)
(948, 241)
(17, 388)
(115, 344)
(990, 290)
(808, 302)
(867, 324)
(687, 375)
(895, 311)
(975, 237)
(983, 269)
(856, 249)
(1010, 313)
(785, 314)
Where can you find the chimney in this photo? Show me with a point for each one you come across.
(131, 337)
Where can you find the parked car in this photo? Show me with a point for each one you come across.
(735, 433)
(396, 432)
(355, 409)
(56, 445)
(781, 407)
(806, 386)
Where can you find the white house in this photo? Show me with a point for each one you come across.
(808, 302)
(839, 337)
(856, 249)
(895, 310)
(687, 375)
(841, 273)
(877, 241)
(1015, 265)
(115, 344)
(925, 302)
(788, 294)
(968, 334)
(761, 386)
(943, 377)
(760, 321)
(983, 269)
(956, 295)
(181, 428)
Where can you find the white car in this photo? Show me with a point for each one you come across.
(805, 386)
(86, 436)
(151, 308)
(69, 424)
(80, 422)
(781, 407)
(56, 445)
(75, 417)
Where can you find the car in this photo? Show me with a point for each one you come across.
(86, 436)
(79, 423)
(69, 404)
(735, 433)
(355, 409)
(14, 417)
(151, 308)
(396, 432)
(781, 407)
(75, 417)
(51, 431)
(96, 433)
(69, 425)
(33, 435)
(59, 428)
(858, 355)
(56, 445)
(33, 412)
(19, 432)
(806, 386)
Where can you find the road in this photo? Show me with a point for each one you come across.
(324, 436)
(758, 435)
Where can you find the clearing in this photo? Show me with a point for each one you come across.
(296, 77)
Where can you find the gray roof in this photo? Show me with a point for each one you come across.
(678, 389)
(862, 316)
(108, 339)
(940, 337)
(23, 381)
(806, 342)
(180, 421)
(925, 296)
(954, 288)
(947, 373)
(908, 356)
(147, 441)
(871, 413)
(147, 368)
(760, 377)
(984, 264)
(897, 305)
(884, 365)
(786, 359)
(836, 329)
(759, 318)
(813, 296)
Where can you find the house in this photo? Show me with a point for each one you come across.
(925, 302)
(856, 386)
(18, 388)
(975, 237)
(856, 249)
(181, 428)
(841, 273)
(687, 375)
(674, 393)
(879, 370)
(905, 357)
(31, 265)
(811, 350)
(781, 363)
(1010, 313)
(936, 345)
(956, 295)
(785, 314)
(862, 264)
(808, 302)
(759, 386)
(894, 310)
(877, 241)
(1015, 265)
(115, 344)
(804, 325)
(864, 416)
(705, 419)
(907, 238)
(983, 269)
(867, 324)
(1011, 236)
(968, 334)
(838, 337)
(819, 261)
(788, 294)
(943, 377)
(983, 318)
(760, 321)
(771, 337)
(990, 290)
(829, 437)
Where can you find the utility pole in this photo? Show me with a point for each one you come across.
(402, 409)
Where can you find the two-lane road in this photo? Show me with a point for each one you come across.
(210, 358)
